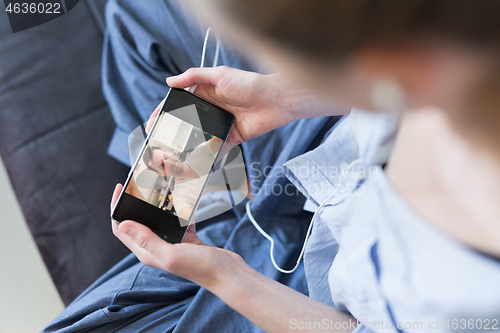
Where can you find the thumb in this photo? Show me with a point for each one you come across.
(146, 245)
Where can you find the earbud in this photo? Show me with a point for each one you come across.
(387, 95)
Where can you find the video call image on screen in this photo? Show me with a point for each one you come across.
(173, 168)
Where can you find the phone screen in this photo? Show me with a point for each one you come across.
(174, 165)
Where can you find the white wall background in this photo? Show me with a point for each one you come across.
(28, 298)
(167, 129)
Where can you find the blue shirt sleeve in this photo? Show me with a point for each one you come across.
(133, 76)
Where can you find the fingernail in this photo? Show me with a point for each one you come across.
(171, 78)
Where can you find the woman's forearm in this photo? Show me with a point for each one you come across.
(298, 103)
(275, 307)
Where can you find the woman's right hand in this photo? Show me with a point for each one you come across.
(257, 101)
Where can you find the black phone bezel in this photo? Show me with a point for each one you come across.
(215, 121)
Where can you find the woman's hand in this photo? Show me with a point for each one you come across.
(269, 304)
(259, 104)
(190, 259)
(257, 101)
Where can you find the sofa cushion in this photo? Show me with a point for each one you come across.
(54, 131)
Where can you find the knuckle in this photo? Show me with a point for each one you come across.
(142, 241)
(223, 69)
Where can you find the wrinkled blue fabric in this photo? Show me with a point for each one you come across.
(146, 42)
(369, 254)
(135, 298)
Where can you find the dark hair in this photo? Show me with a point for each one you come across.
(148, 156)
(329, 31)
(332, 29)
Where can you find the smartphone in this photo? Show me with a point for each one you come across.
(166, 182)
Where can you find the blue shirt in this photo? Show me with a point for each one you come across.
(370, 254)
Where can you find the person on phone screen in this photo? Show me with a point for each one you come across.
(190, 175)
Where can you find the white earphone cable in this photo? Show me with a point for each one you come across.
(203, 53)
(248, 210)
(270, 239)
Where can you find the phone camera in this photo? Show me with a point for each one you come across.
(202, 106)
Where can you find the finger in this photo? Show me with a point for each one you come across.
(191, 237)
(235, 137)
(153, 116)
(116, 194)
(192, 227)
(195, 76)
(226, 149)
